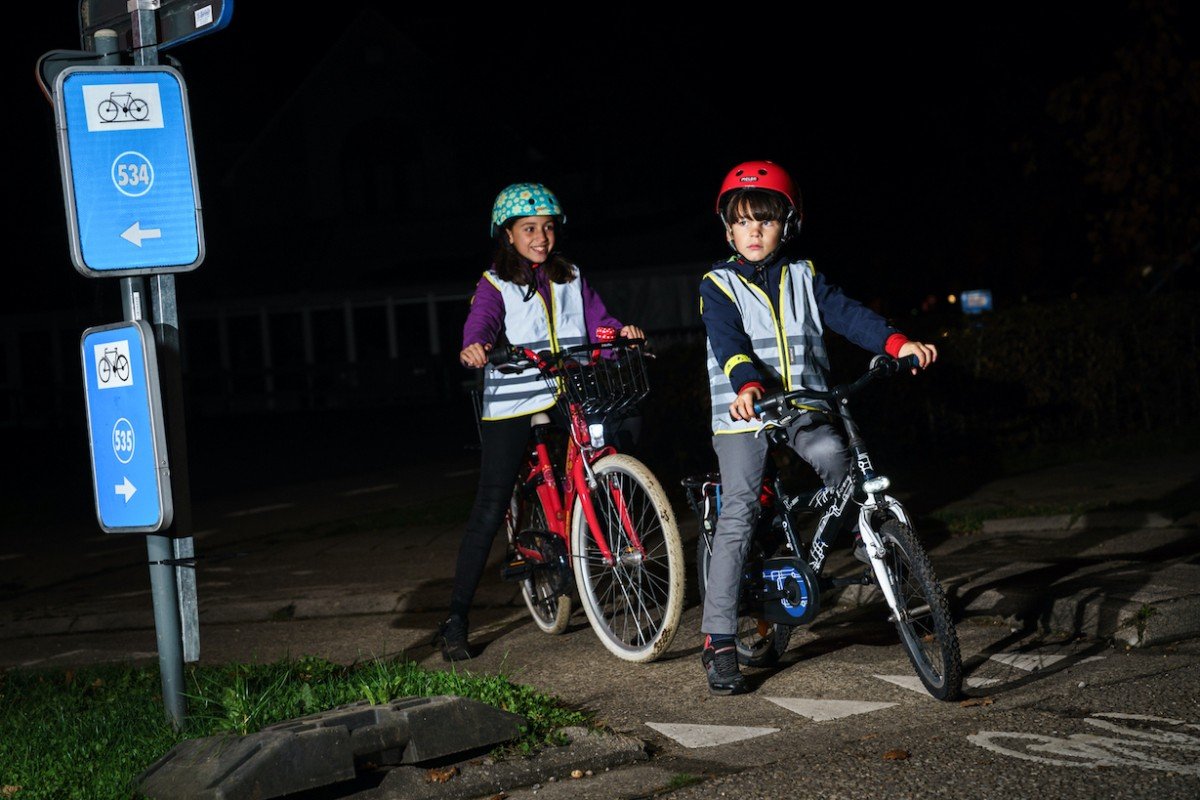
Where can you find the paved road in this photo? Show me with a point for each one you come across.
(357, 567)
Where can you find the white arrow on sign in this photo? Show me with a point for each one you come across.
(127, 489)
(135, 234)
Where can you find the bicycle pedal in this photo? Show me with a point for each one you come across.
(518, 570)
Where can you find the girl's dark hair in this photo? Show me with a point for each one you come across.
(761, 205)
(514, 269)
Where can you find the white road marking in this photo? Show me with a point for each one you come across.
(822, 710)
(1090, 658)
(707, 735)
(979, 683)
(911, 682)
(1030, 662)
(1139, 747)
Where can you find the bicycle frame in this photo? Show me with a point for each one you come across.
(578, 481)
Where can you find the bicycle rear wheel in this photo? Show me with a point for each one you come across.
(634, 604)
(550, 611)
(923, 619)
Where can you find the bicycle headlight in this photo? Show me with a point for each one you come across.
(596, 432)
(876, 484)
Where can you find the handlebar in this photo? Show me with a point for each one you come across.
(881, 366)
(519, 357)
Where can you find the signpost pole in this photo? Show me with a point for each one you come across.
(160, 550)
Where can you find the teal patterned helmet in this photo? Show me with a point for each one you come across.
(524, 200)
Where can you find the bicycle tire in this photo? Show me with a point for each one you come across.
(634, 605)
(929, 636)
(756, 647)
(550, 612)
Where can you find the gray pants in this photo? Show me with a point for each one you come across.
(742, 458)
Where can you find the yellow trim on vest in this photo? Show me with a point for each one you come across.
(779, 342)
(739, 430)
(728, 292)
(492, 281)
(734, 361)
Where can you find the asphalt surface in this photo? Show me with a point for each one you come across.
(357, 567)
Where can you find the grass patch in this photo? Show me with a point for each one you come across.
(89, 733)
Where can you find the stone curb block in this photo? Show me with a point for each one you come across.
(326, 748)
(585, 750)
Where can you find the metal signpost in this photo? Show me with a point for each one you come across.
(133, 212)
(177, 21)
(130, 472)
(129, 175)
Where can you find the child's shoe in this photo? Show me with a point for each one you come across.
(721, 666)
(452, 636)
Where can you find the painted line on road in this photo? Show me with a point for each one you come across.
(910, 682)
(708, 735)
(1030, 662)
(823, 710)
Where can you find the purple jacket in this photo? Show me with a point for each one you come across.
(485, 320)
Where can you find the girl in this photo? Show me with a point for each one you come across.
(534, 297)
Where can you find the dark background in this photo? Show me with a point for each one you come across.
(920, 138)
(925, 143)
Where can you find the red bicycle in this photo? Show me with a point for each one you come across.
(585, 516)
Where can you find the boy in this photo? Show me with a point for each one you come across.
(765, 318)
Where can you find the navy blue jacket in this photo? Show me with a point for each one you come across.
(839, 313)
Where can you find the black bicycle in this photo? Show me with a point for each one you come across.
(782, 580)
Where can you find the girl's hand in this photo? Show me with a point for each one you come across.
(926, 353)
(474, 355)
(632, 332)
(743, 407)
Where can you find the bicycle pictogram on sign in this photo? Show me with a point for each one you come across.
(123, 107)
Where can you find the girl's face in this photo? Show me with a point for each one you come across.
(754, 239)
(532, 237)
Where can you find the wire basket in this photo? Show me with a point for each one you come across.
(602, 379)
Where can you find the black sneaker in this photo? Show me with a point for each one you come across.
(452, 636)
(721, 666)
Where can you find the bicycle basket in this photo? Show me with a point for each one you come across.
(601, 378)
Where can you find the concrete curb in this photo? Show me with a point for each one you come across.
(586, 751)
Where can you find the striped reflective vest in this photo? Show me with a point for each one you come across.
(531, 324)
(789, 350)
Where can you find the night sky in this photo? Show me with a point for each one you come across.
(899, 127)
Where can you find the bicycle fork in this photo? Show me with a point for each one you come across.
(875, 549)
(587, 478)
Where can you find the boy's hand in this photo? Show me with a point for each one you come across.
(926, 353)
(474, 355)
(632, 332)
(743, 407)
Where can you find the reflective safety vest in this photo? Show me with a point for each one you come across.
(531, 324)
(789, 350)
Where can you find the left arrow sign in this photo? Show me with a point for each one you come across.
(136, 233)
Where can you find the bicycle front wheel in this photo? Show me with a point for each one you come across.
(550, 610)
(923, 617)
(633, 604)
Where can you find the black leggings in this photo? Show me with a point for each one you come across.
(505, 444)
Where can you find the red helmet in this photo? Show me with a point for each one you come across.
(760, 175)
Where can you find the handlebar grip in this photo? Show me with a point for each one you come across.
(500, 354)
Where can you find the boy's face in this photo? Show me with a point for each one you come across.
(533, 238)
(754, 239)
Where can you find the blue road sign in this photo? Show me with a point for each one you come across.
(176, 21)
(130, 473)
(129, 174)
